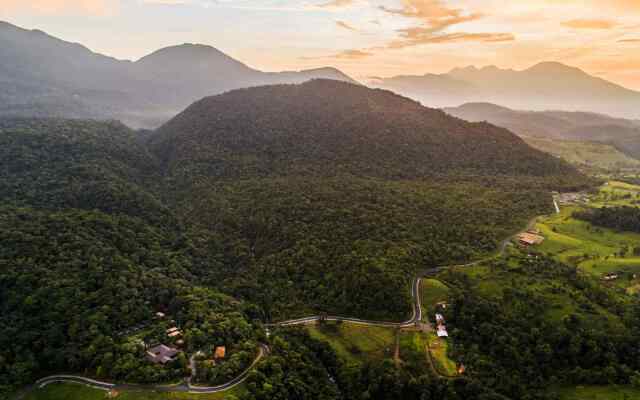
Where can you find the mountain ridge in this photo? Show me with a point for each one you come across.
(545, 85)
(43, 76)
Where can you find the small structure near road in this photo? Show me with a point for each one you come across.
(441, 330)
(162, 354)
(530, 239)
(220, 352)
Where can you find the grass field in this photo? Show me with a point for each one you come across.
(590, 248)
(617, 194)
(72, 391)
(356, 343)
(432, 291)
(441, 361)
(413, 348)
(599, 393)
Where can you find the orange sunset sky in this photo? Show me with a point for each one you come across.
(364, 38)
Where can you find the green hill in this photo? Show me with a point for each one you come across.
(289, 199)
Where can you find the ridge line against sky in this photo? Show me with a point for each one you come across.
(361, 37)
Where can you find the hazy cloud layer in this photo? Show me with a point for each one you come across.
(93, 7)
(589, 24)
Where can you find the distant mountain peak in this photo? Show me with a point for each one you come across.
(554, 67)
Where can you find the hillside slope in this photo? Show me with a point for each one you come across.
(622, 133)
(326, 196)
(327, 127)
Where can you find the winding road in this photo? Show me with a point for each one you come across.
(263, 351)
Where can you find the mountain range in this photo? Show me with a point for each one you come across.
(41, 75)
(622, 133)
(545, 86)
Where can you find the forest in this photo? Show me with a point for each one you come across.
(225, 223)
(622, 218)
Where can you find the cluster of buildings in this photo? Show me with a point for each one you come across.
(572, 198)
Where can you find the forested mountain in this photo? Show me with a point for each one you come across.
(252, 206)
(43, 76)
(315, 189)
(622, 133)
(544, 86)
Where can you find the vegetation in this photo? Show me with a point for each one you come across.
(589, 392)
(438, 349)
(593, 158)
(623, 218)
(70, 391)
(355, 343)
(255, 216)
(432, 292)
(526, 322)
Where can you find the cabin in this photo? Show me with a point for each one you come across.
(220, 352)
(530, 239)
(174, 332)
(440, 318)
(442, 331)
(162, 354)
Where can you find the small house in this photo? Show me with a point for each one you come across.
(220, 352)
(439, 318)
(162, 354)
(442, 331)
(174, 332)
(530, 239)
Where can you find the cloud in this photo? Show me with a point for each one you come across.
(419, 38)
(629, 41)
(58, 7)
(344, 25)
(589, 24)
(352, 54)
(435, 18)
(337, 4)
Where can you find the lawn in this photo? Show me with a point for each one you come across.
(73, 391)
(441, 361)
(356, 343)
(599, 393)
(432, 291)
(413, 349)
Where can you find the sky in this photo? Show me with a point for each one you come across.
(364, 38)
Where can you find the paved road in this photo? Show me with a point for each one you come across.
(182, 387)
(263, 351)
(416, 315)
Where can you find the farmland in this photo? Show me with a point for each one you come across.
(595, 250)
(355, 343)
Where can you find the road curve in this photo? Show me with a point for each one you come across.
(263, 351)
(416, 315)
